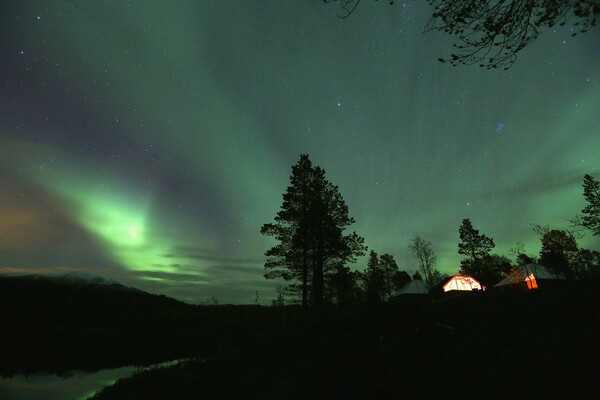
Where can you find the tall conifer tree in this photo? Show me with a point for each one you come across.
(310, 229)
(374, 280)
(475, 247)
(590, 217)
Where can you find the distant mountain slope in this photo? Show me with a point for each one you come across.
(59, 323)
(79, 300)
(69, 277)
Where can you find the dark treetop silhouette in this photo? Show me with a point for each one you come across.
(559, 251)
(475, 247)
(590, 217)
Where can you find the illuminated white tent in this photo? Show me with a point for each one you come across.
(462, 282)
(413, 287)
(528, 274)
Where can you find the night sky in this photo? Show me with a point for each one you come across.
(148, 141)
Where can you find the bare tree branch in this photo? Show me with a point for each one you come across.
(492, 32)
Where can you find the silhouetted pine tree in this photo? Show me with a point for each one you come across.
(374, 280)
(310, 230)
(343, 286)
(559, 252)
(475, 247)
(591, 213)
(389, 269)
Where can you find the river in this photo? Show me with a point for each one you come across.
(74, 385)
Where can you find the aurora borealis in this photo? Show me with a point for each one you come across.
(148, 141)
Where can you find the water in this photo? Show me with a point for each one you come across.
(71, 386)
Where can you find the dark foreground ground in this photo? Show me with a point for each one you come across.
(537, 344)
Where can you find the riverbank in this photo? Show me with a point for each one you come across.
(72, 385)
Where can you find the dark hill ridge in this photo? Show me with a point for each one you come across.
(69, 301)
(73, 278)
(62, 323)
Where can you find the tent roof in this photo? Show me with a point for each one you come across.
(538, 272)
(414, 287)
(462, 282)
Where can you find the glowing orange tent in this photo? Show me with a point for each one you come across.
(529, 274)
(462, 282)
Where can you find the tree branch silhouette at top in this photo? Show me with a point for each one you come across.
(491, 33)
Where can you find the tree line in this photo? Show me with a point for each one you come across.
(313, 249)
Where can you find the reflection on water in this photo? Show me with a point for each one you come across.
(71, 386)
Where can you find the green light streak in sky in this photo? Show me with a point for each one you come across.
(115, 212)
(184, 109)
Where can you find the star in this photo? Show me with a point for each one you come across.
(173, 145)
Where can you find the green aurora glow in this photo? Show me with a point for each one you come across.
(148, 142)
